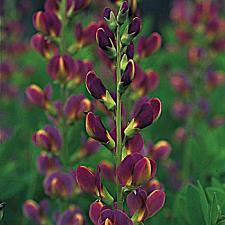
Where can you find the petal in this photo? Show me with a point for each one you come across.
(155, 202)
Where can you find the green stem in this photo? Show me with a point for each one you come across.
(118, 118)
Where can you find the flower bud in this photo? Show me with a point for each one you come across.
(105, 43)
(43, 46)
(131, 31)
(97, 90)
(59, 184)
(127, 76)
(123, 13)
(110, 18)
(71, 216)
(48, 164)
(146, 111)
(147, 46)
(161, 150)
(97, 131)
(130, 51)
(49, 139)
(61, 67)
(152, 185)
(75, 107)
(39, 97)
(95, 212)
(47, 23)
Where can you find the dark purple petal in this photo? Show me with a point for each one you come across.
(155, 202)
(86, 179)
(103, 39)
(124, 171)
(95, 211)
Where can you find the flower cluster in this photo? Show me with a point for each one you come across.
(202, 44)
(67, 74)
(134, 169)
(199, 30)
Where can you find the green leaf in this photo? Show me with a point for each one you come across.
(194, 206)
(215, 211)
(204, 203)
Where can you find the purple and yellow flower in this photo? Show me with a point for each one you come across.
(61, 67)
(102, 215)
(85, 36)
(59, 184)
(48, 164)
(39, 97)
(47, 23)
(147, 46)
(48, 139)
(145, 113)
(71, 216)
(75, 107)
(160, 150)
(53, 6)
(135, 170)
(143, 205)
(108, 170)
(36, 212)
(43, 46)
(123, 12)
(144, 81)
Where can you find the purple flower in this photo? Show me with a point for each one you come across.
(47, 23)
(72, 216)
(61, 67)
(53, 6)
(135, 170)
(47, 163)
(59, 184)
(85, 36)
(147, 46)
(145, 206)
(42, 45)
(128, 75)
(145, 112)
(75, 107)
(49, 139)
(160, 150)
(36, 212)
(39, 97)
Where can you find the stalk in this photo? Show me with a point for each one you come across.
(63, 92)
(118, 117)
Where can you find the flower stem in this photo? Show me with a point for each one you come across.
(118, 118)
